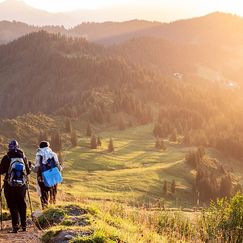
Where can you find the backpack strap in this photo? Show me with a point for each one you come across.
(41, 164)
(39, 173)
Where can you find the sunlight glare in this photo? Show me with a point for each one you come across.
(63, 5)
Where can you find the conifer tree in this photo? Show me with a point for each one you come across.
(88, 130)
(173, 187)
(111, 146)
(99, 141)
(93, 142)
(157, 131)
(201, 152)
(68, 126)
(173, 136)
(121, 124)
(165, 187)
(187, 139)
(225, 186)
(74, 139)
(159, 144)
(56, 142)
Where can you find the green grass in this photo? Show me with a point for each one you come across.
(133, 173)
(111, 222)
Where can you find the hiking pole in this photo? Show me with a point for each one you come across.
(28, 192)
(1, 206)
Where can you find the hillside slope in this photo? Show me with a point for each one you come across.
(46, 67)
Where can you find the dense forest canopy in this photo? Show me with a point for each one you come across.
(54, 74)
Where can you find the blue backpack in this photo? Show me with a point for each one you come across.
(50, 173)
(17, 175)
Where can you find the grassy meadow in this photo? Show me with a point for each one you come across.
(118, 191)
(134, 173)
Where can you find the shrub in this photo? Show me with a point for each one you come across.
(224, 219)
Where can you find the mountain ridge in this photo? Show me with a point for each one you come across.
(209, 29)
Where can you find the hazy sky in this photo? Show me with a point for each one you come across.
(162, 10)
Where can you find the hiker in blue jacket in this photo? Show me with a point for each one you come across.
(43, 154)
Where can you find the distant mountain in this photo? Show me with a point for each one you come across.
(10, 31)
(216, 29)
(209, 46)
(95, 32)
(213, 29)
(19, 11)
(98, 32)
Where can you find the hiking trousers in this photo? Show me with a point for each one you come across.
(16, 202)
(46, 193)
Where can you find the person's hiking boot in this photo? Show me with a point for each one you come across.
(23, 229)
(13, 231)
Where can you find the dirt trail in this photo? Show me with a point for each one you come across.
(32, 235)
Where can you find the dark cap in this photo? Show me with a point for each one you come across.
(13, 145)
(44, 144)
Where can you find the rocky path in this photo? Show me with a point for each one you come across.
(32, 235)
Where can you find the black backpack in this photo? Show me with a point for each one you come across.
(17, 175)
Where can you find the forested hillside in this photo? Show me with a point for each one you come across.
(54, 74)
(52, 71)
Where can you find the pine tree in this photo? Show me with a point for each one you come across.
(214, 186)
(201, 152)
(88, 131)
(159, 144)
(121, 124)
(93, 142)
(173, 187)
(99, 141)
(157, 131)
(111, 146)
(225, 186)
(56, 142)
(74, 139)
(173, 136)
(68, 126)
(165, 187)
(187, 139)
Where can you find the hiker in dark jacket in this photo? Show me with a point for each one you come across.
(44, 153)
(15, 187)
